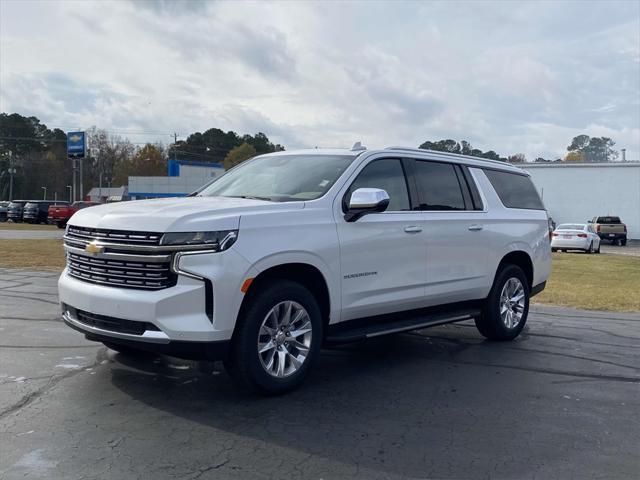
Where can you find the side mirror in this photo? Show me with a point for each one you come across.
(366, 200)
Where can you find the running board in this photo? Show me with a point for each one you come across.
(387, 325)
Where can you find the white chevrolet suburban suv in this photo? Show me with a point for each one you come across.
(293, 250)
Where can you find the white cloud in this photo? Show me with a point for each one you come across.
(512, 77)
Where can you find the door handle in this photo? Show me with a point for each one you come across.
(475, 228)
(413, 229)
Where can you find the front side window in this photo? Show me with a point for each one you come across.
(439, 186)
(281, 178)
(388, 175)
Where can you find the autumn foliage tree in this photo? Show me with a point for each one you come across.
(238, 155)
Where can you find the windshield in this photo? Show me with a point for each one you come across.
(281, 178)
(571, 226)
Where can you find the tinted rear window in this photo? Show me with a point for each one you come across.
(571, 226)
(515, 191)
(608, 220)
(439, 186)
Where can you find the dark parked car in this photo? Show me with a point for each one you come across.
(4, 206)
(14, 210)
(37, 211)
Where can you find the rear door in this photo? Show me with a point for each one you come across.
(457, 245)
(382, 255)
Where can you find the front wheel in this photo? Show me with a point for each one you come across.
(276, 340)
(506, 308)
(61, 224)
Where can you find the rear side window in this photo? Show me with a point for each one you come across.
(388, 175)
(514, 190)
(439, 186)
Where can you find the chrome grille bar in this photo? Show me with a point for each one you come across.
(115, 236)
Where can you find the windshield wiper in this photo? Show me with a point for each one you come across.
(250, 197)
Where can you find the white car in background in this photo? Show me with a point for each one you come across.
(575, 236)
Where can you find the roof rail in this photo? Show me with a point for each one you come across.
(447, 154)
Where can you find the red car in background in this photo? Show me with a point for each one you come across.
(60, 214)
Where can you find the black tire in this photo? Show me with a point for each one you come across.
(589, 249)
(61, 224)
(623, 242)
(244, 364)
(490, 323)
(554, 249)
(125, 349)
(598, 250)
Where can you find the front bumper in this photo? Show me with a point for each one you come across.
(217, 350)
(181, 313)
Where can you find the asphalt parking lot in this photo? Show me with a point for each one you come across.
(560, 402)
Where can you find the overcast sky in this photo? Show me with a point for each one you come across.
(510, 76)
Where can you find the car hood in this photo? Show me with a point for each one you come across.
(185, 214)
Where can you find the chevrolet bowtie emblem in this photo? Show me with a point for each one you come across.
(75, 138)
(93, 248)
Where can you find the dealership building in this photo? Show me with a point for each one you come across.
(577, 192)
(184, 177)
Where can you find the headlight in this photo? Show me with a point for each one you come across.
(210, 240)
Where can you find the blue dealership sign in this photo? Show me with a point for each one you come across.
(76, 145)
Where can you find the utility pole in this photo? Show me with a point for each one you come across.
(175, 140)
(44, 196)
(70, 189)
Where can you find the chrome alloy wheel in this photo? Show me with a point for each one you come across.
(512, 302)
(284, 339)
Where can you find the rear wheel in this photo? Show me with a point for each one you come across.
(554, 249)
(506, 308)
(589, 248)
(598, 250)
(623, 242)
(276, 340)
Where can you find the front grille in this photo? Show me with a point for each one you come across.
(114, 236)
(112, 324)
(121, 273)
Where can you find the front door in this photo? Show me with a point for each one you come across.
(382, 254)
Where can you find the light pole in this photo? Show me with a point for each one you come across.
(70, 187)
(12, 171)
(44, 196)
